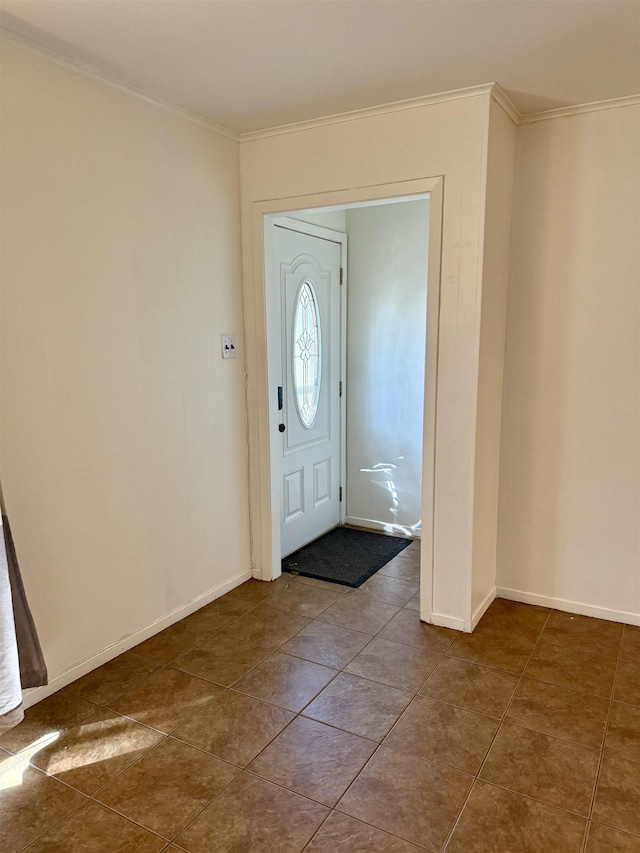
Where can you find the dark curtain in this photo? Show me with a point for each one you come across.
(21, 661)
(33, 670)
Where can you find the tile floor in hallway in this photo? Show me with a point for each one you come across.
(302, 715)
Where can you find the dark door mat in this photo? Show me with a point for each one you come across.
(345, 556)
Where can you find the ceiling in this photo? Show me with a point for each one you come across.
(251, 64)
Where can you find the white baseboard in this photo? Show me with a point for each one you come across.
(37, 694)
(568, 606)
(465, 625)
(482, 608)
(394, 529)
(444, 621)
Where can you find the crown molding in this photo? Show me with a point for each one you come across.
(368, 112)
(9, 36)
(16, 39)
(579, 109)
(499, 95)
(496, 92)
(502, 99)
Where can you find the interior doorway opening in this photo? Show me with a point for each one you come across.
(260, 294)
(349, 364)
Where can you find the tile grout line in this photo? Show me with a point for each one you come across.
(537, 677)
(300, 714)
(92, 797)
(586, 818)
(206, 806)
(58, 822)
(520, 678)
(364, 823)
(317, 830)
(167, 736)
(164, 736)
(499, 729)
(89, 800)
(338, 671)
(594, 793)
(376, 750)
(230, 687)
(225, 687)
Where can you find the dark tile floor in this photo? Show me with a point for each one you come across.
(301, 715)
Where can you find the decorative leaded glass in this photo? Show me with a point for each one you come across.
(306, 353)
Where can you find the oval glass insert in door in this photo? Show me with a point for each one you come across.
(306, 353)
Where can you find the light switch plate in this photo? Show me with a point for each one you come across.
(228, 346)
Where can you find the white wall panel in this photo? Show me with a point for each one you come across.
(386, 315)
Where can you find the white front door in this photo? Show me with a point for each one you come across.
(309, 399)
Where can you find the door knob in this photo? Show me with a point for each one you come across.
(281, 427)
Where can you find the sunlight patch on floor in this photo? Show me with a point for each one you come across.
(12, 769)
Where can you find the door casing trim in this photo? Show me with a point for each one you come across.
(264, 497)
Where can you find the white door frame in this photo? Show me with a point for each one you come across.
(273, 288)
(260, 302)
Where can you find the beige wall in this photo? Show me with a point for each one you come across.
(495, 280)
(443, 139)
(386, 338)
(569, 505)
(123, 431)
